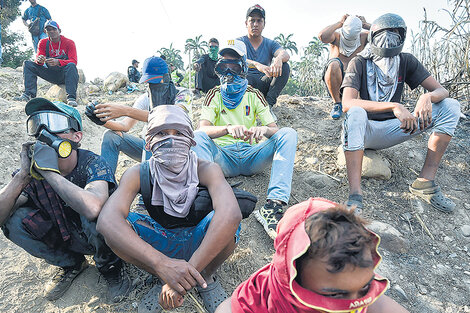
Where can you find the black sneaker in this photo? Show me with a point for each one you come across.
(23, 97)
(269, 216)
(62, 280)
(72, 102)
(119, 284)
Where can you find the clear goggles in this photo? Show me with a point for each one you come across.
(53, 121)
(227, 66)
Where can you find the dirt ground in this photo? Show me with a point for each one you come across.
(429, 268)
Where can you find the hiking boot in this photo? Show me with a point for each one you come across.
(269, 216)
(62, 280)
(119, 284)
(72, 102)
(337, 111)
(23, 97)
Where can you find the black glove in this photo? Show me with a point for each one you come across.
(44, 158)
(90, 112)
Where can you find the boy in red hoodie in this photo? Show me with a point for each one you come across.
(324, 262)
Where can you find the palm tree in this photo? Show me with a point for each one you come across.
(286, 43)
(315, 47)
(172, 56)
(196, 46)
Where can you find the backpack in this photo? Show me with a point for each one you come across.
(201, 206)
(34, 26)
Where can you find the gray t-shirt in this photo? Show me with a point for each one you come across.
(143, 103)
(411, 71)
(264, 54)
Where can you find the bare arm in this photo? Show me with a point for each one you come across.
(86, 201)
(327, 35)
(385, 304)
(281, 55)
(124, 125)
(108, 111)
(121, 238)
(10, 195)
(423, 108)
(238, 131)
(351, 98)
(226, 218)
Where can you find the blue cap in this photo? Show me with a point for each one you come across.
(40, 104)
(153, 70)
(51, 23)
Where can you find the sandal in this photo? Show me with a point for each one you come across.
(434, 196)
(355, 202)
(212, 296)
(149, 302)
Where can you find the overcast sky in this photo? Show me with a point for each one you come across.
(109, 34)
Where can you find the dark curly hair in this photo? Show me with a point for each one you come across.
(338, 236)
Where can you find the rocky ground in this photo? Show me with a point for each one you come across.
(426, 253)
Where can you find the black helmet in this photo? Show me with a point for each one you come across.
(387, 21)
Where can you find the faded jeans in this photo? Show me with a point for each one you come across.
(360, 133)
(242, 158)
(130, 145)
(91, 241)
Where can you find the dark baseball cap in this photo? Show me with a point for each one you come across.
(256, 9)
(135, 61)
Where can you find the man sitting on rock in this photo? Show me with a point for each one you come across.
(324, 262)
(376, 119)
(160, 91)
(267, 60)
(56, 62)
(176, 243)
(344, 45)
(50, 206)
(228, 129)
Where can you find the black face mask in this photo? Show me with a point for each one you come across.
(62, 146)
(162, 93)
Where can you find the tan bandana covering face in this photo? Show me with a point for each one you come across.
(350, 38)
(173, 165)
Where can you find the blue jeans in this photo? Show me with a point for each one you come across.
(130, 145)
(36, 40)
(176, 243)
(242, 158)
(360, 133)
(91, 242)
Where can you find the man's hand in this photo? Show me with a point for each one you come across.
(362, 18)
(408, 121)
(276, 67)
(52, 62)
(25, 160)
(180, 275)
(90, 112)
(41, 59)
(108, 111)
(239, 132)
(257, 133)
(197, 67)
(423, 111)
(169, 299)
(264, 69)
(345, 16)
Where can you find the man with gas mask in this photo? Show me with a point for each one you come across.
(228, 131)
(160, 90)
(50, 206)
(205, 77)
(175, 243)
(344, 45)
(375, 118)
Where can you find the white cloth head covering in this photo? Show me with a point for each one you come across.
(382, 73)
(350, 38)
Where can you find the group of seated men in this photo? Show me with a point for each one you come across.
(64, 202)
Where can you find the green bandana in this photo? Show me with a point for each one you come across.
(213, 52)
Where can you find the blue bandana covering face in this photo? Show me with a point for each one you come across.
(232, 89)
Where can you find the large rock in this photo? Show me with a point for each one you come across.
(391, 239)
(92, 89)
(114, 81)
(57, 92)
(374, 165)
(81, 76)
